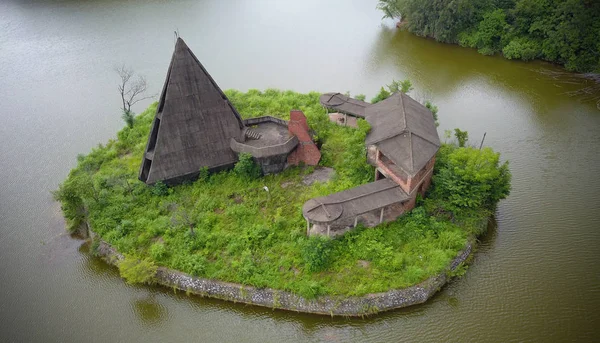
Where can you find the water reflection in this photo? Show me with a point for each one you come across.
(149, 310)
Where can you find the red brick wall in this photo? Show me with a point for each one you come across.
(306, 152)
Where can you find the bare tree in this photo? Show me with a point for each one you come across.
(131, 90)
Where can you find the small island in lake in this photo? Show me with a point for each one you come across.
(267, 198)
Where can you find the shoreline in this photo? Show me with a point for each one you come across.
(345, 306)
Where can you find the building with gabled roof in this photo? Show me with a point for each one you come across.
(401, 145)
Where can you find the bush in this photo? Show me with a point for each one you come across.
(160, 189)
(521, 48)
(317, 253)
(246, 167)
(472, 178)
(382, 95)
(135, 270)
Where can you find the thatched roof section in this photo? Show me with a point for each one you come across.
(354, 201)
(344, 104)
(404, 131)
(193, 125)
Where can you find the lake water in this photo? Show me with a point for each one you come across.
(535, 276)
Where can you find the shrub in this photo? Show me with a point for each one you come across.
(129, 118)
(135, 270)
(317, 253)
(461, 136)
(382, 95)
(521, 48)
(472, 178)
(157, 251)
(160, 189)
(246, 167)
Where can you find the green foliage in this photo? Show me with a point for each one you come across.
(561, 31)
(160, 189)
(461, 136)
(128, 118)
(242, 233)
(135, 270)
(472, 178)
(521, 48)
(204, 174)
(246, 167)
(382, 95)
(434, 111)
(400, 86)
(389, 8)
(360, 97)
(317, 253)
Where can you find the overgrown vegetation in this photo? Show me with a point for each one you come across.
(561, 31)
(225, 226)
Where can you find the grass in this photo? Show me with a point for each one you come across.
(225, 226)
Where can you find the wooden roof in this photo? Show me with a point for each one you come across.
(404, 131)
(193, 125)
(354, 201)
(344, 104)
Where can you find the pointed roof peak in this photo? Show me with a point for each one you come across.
(193, 125)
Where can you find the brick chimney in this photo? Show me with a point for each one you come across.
(306, 152)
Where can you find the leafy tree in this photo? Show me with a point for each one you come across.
(561, 31)
(461, 136)
(472, 178)
(360, 97)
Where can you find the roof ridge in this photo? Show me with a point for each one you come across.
(410, 151)
(394, 185)
(424, 138)
(214, 83)
(403, 109)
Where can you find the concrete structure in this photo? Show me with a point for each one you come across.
(197, 127)
(401, 145)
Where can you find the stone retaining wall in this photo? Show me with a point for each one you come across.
(276, 299)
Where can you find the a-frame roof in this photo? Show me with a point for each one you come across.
(193, 125)
(404, 131)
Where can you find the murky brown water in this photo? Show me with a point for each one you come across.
(535, 276)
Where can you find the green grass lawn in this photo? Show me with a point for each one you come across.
(227, 227)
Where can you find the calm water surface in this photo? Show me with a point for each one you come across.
(535, 276)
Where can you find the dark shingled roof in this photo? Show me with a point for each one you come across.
(193, 125)
(344, 104)
(354, 201)
(404, 131)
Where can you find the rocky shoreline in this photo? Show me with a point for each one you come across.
(277, 299)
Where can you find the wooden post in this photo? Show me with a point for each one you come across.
(355, 221)
(481, 145)
(307, 228)
(345, 119)
(328, 228)
(381, 216)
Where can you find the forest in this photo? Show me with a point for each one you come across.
(560, 31)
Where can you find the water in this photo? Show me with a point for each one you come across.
(535, 276)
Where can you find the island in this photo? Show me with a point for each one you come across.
(318, 203)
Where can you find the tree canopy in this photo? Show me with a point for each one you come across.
(560, 31)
